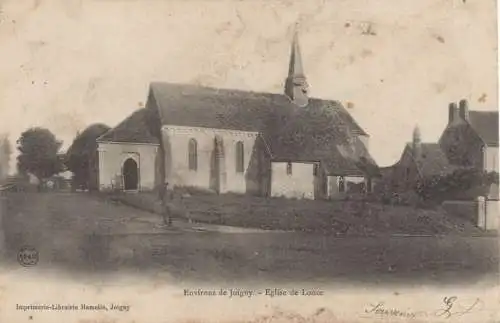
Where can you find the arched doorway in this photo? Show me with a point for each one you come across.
(130, 175)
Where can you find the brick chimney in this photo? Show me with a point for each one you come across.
(452, 112)
(464, 109)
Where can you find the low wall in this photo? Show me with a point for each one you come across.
(482, 213)
(492, 214)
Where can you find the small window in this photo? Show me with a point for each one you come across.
(341, 184)
(240, 157)
(289, 168)
(315, 170)
(193, 154)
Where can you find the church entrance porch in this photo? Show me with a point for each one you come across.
(130, 175)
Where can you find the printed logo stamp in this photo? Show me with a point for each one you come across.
(27, 256)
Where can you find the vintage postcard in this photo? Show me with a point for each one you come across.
(185, 161)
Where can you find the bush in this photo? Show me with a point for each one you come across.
(461, 184)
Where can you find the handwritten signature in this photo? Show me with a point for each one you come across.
(454, 308)
(451, 307)
(380, 309)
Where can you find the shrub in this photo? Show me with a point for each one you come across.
(461, 184)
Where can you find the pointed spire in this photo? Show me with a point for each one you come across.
(295, 67)
(416, 134)
(417, 143)
(296, 84)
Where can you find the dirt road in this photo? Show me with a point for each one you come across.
(83, 234)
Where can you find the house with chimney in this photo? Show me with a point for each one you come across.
(469, 140)
(225, 140)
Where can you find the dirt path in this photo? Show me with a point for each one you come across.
(80, 233)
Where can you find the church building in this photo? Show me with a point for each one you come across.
(224, 140)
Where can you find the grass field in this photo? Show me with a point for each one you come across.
(352, 218)
(83, 234)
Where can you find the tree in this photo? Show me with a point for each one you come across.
(5, 153)
(81, 154)
(38, 153)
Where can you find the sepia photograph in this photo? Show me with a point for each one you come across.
(249, 161)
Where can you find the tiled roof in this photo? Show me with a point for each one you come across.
(485, 123)
(341, 165)
(291, 132)
(433, 160)
(199, 106)
(321, 131)
(134, 129)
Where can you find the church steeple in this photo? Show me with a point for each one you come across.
(296, 86)
(417, 143)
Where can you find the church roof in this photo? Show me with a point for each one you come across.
(319, 133)
(134, 129)
(322, 131)
(291, 132)
(485, 123)
(193, 105)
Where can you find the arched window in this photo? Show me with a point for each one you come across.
(193, 154)
(240, 157)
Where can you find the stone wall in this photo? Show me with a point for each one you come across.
(208, 173)
(492, 214)
(112, 156)
(300, 183)
(491, 159)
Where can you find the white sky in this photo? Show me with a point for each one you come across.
(69, 63)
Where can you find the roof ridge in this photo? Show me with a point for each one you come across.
(108, 131)
(138, 114)
(230, 89)
(483, 111)
(213, 88)
(271, 114)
